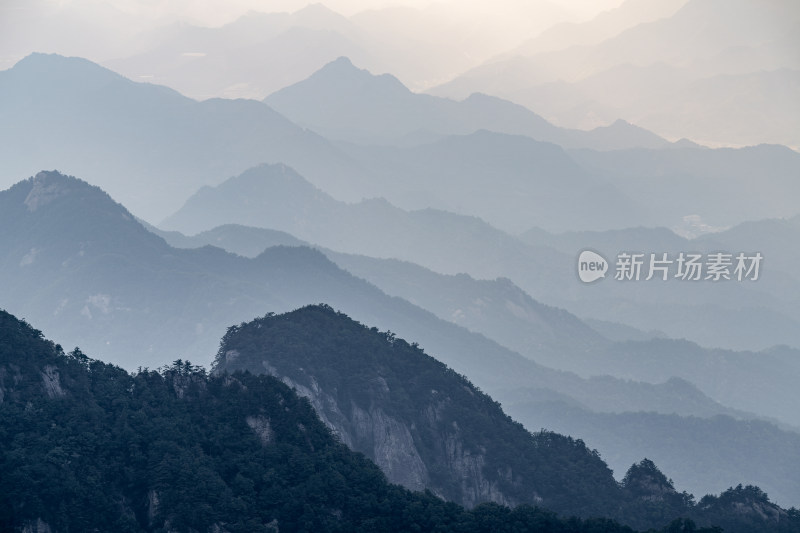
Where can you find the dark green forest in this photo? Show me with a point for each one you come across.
(360, 367)
(87, 446)
(317, 346)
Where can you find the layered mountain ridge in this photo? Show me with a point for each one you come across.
(182, 300)
(236, 452)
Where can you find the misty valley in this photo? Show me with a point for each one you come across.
(400, 267)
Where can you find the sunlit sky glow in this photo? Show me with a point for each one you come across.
(212, 12)
(104, 30)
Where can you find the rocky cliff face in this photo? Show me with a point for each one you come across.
(424, 425)
(391, 443)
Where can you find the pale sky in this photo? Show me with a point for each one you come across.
(103, 30)
(216, 11)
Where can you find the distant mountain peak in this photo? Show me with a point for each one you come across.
(342, 60)
(341, 79)
(266, 177)
(59, 208)
(316, 7)
(319, 14)
(627, 133)
(262, 191)
(270, 173)
(623, 125)
(340, 65)
(343, 68)
(47, 186)
(54, 65)
(41, 75)
(38, 58)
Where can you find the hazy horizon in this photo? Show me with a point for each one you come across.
(585, 208)
(128, 26)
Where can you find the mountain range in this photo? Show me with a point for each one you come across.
(362, 395)
(415, 221)
(673, 180)
(343, 102)
(295, 39)
(135, 139)
(90, 446)
(503, 312)
(183, 450)
(424, 425)
(665, 75)
(182, 56)
(116, 288)
(731, 315)
(107, 272)
(148, 145)
(576, 74)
